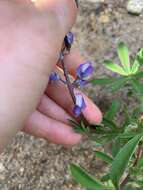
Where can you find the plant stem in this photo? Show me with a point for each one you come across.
(71, 90)
(138, 155)
(69, 84)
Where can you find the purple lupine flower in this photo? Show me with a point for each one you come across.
(85, 70)
(80, 105)
(61, 56)
(69, 38)
(54, 77)
(79, 83)
(82, 83)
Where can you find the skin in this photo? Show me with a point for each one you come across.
(31, 37)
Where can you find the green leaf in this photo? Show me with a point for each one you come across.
(140, 163)
(119, 83)
(112, 111)
(106, 158)
(86, 180)
(130, 188)
(105, 178)
(116, 145)
(135, 67)
(139, 75)
(123, 54)
(140, 56)
(137, 86)
(103, 139)
(102, 81)
(115, 67)
(128, 135)
(122, 158)
(110, 124)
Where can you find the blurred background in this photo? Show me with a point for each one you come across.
(34, 164)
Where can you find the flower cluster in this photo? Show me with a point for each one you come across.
(82, 74)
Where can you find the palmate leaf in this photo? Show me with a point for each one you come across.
(115, 67)
(123, 54)
(86, 180)
(122, 159)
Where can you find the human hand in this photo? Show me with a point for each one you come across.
(31, 39)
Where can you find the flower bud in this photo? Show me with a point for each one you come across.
(80, 83)
(85, 70)
(54, 77)
(80, 105)
(69, 38)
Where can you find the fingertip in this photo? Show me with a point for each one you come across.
(92, 112)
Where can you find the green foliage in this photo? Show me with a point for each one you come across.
(122, 159)
(112, 111)
(124, 136)
(106, 158)
(86, 180)
(123, 54)
(115, 68)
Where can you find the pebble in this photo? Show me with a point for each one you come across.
(2, 168)
(135, 6)
(104, 19)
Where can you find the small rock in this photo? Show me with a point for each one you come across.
(135, 6)
(2, 168)
(104, 19)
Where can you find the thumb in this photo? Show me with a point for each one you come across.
(64, 9)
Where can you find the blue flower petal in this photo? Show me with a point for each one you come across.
(82, 83)
(80, 104)
(54, 77)
(77, 111)
(85, 70)
(70, 38)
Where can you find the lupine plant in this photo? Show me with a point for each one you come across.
(125, 158)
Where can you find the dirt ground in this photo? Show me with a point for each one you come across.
(34, 164)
